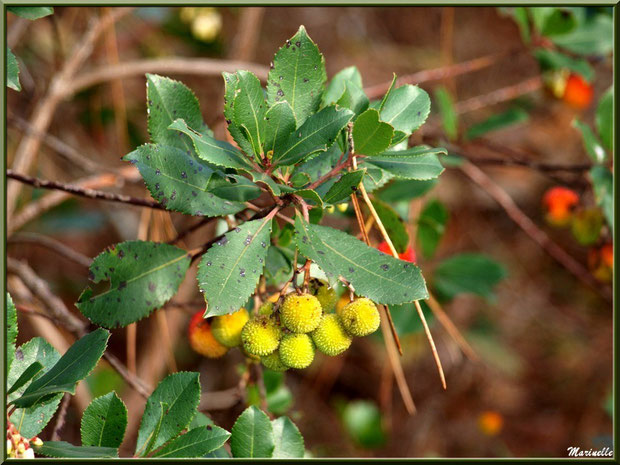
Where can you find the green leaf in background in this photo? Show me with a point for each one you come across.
(233, 187)
(12, 71)
(168, 100)
(280, 123)
(381, 278)
(11, 330)
(179, 181)
(104, 422)
(297, 76)
(520, 17)
(592, 145)
(406, 108)
(362, 420)
(449, 117)
(31, 12)
(62, 449)
(431, 227)
(554, 60)
(317, 134)
(419, 162)
(279, 396)
(252, 435)
(196, 442)
(405, 189)
(229, 271)
(289, 444)
(603, 184)
(586, 225)
(344, 187)
(34, 369)
(73, 366)
(212, 150)
(337, 85)
(31, 421)
(468, 273)
(249, 110)
(143, 277)
(605, 118)
(181, 392)
(498, 121)
(371, 136)
(406, 319)
(393, 224)
(556, 22)
(353, 98)
(592, 37)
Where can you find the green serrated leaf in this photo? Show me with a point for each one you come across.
(313, 196)
(371, 136)
(381, 278)
(353, 98)
(381, 104)
(28, 374)
(168, 100)
(317, 134)
(289, 444)
(252, 435)
(104, 422)
(229, 271)
(337, 85)
(181, 392)
(214, 151)
(31, 421)
(419, 162)
(233, 187)
(344, 187)
(31, 12)
(231, 80)
(406, 108)
(393, 224)
(249, 110)
(449, 117)
(73, 366)
(605, 118)
(62, 449)
(280, 123)
(11, 330)
(403, 190)
(143, 277)
(554, 60)
(498, 121)
(179, 181)
(375, 177)
(195, 443)
(297, 76)
(431, 227)
(12, 71)
(590, 142)
(316, 166)
(468, 273)
(603, 184)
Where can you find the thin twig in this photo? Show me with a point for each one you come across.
(61, 417)
(500, 95)
(83, 192)
(51, 244)
(532, 230)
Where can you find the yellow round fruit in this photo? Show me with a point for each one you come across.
(201, 337)
(273, 362)
(301, 313)
(330, 337)
(227, 328)
(261, 336)
(327, 296)
(296, 350)
(360, 317)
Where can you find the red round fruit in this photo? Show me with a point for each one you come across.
(578, 92)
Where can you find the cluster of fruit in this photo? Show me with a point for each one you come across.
(286, 336)
(17, 446)
(562, 209)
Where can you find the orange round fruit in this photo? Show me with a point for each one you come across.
(201, 337)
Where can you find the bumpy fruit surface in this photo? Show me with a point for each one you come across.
(266, 309)
(227, 328)
(301, 313)
(360, 317)
(201, 337)
(559, 203)
(330, 337)
(327, 295)
(260, 336)
(273, 362)
(296, 350)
